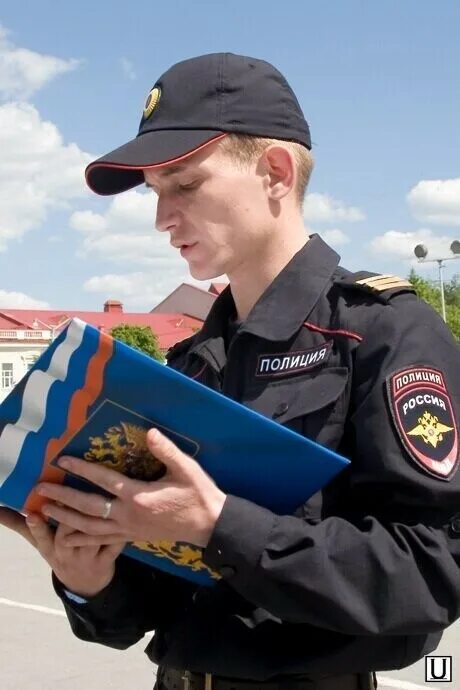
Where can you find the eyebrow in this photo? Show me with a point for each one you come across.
(170, 170)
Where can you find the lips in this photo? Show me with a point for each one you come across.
(187, 248)
(178, 244)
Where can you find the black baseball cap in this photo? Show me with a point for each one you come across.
(195, 103)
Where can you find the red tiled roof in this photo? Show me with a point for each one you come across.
(170, 328)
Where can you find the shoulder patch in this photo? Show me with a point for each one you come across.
(383, 286)
(424, 418)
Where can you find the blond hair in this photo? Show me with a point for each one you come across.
(244, 148)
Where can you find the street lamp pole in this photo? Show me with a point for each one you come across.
(421, 253)
(441, 283)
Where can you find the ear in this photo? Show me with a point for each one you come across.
(280, 171)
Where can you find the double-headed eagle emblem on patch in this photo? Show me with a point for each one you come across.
(430, 429)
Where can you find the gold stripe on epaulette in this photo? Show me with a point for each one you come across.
(380, 283)
(392, 286)
(389, 281)
(376, 279)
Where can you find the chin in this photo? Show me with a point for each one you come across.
(204, 272)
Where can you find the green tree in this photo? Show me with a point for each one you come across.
(431, 293)
(452, 291)
(139, 337)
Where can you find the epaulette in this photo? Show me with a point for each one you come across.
(178, 348)
(382, 286)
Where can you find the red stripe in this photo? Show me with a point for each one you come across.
(329, 331)
(79, 403)
(200, 372)
(171, 161)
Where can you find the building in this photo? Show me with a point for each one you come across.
(190, 300)
(26, 333)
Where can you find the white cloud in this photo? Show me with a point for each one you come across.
(88, 222)
(401, 244)
(38, 171)
(140, 290)
(131, 288)
(335, 237)
(322, 208)
(23, 72)
(128, 68)
(130, 213)
(125, 233)
(436, 201)
(18, 300)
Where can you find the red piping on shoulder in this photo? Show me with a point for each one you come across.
(200, 372)
(329, 331)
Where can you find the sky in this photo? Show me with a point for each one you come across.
(379, 84)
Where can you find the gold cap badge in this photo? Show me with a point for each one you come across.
(151, 101)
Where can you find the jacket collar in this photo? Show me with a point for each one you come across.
(282, 308)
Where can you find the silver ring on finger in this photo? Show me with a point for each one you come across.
(107, 509)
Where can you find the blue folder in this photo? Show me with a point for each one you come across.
(94, 397)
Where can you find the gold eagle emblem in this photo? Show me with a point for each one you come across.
(124, 448)
(179, 553)
(430, 429)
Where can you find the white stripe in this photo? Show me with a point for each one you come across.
(31, 607)
(384, 681)
(34, 399)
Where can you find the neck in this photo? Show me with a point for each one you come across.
(251, 279)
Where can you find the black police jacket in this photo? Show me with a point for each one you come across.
(366, 575)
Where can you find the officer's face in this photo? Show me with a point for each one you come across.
(217, 212)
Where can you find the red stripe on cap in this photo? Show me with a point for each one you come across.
(329, 331)
(171, 161)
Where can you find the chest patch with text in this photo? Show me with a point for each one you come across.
(284, 363)
(424, 418)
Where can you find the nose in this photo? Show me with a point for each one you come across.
(167, 213)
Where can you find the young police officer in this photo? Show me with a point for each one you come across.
(365, 576)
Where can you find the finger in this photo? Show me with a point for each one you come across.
(87, 503)
(63, 550)
(78, 521)
(42, 535)
(165, 450)
(76, 539)
(109, 553)
(63, 530)
(16, 522)
(107, 479)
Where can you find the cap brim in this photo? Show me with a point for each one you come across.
(121, 169)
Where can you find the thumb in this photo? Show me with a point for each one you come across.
(167, 452)
(16, 522)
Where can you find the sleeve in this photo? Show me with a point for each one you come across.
(389, 565)
(137, 600)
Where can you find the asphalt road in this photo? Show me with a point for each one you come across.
(39, 652)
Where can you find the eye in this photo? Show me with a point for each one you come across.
(188, 185)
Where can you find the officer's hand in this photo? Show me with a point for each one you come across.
(84, 571)
(181, 506)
